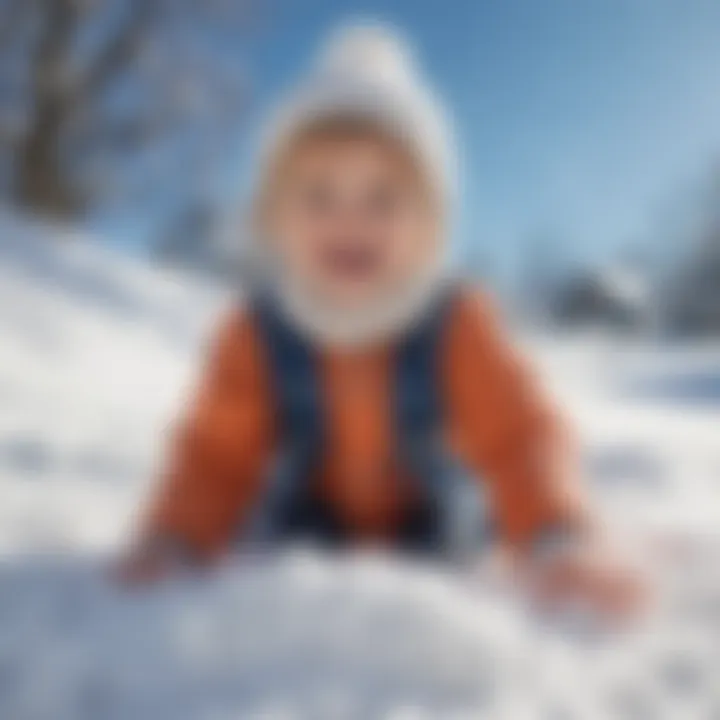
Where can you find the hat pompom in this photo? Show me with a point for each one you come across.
(370, 51)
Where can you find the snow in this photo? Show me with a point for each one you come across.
(97, 352)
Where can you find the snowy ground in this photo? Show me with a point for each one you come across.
(96, 353)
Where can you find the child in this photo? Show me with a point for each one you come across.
(361, 391)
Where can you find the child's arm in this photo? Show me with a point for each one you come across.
(512, 436)
(517, 443)
(219, 455)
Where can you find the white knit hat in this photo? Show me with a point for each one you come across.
(367, 71)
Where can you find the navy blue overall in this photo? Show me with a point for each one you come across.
(450, 517)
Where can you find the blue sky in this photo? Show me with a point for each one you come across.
(577, 119)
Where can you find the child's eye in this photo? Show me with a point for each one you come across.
(318, 199)
(383, 201)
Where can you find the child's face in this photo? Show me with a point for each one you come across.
(351, 219)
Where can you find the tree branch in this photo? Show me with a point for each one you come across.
(131, 135)
(54, 47)
(14, 13)
(120, 49)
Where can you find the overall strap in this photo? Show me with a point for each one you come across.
(298, 408)
(418, 391)
(293, 368)
(458, 521)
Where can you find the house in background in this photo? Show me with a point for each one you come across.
(692, 301)
(612, 298)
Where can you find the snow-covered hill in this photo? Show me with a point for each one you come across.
(97, 352)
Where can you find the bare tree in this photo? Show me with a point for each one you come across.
(115, 100)
(690, 277)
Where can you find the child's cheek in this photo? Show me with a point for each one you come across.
(412, 250)
(298, 248)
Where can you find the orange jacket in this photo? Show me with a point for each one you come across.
(497, 422)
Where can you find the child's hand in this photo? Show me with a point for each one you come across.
(148, 562)
(137, 569)
(590, 576)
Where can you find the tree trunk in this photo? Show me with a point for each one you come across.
(40, 182)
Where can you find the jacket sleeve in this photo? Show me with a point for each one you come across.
(220, 450)
(509, 433)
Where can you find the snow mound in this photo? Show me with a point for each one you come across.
(301, 636)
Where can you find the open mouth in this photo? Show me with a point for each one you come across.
(352, 260)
